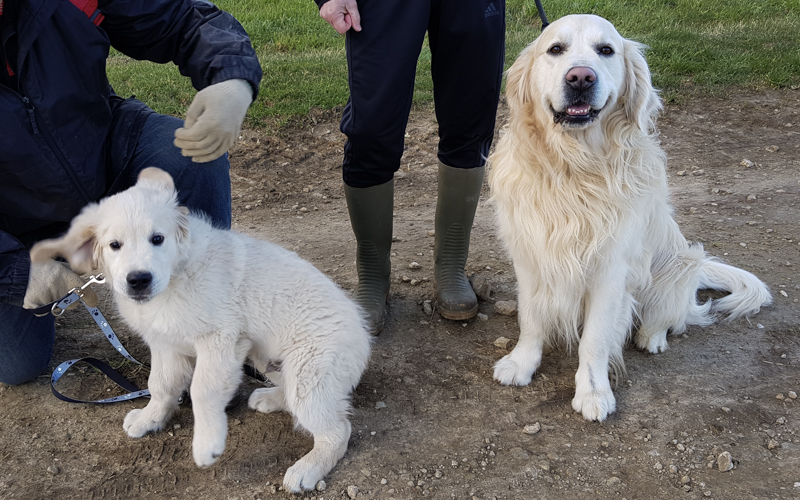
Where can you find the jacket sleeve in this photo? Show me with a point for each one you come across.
(15, 266)
(207, 44)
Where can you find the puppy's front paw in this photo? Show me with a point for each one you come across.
(303, 475)
(207, 447)
(594, 401)
(509, 371)
(139, 422)
(267, 400)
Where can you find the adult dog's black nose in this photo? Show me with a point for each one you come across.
(138, 281)
(581, 77)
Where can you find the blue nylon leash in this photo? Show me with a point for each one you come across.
(57, 308)
(118, 379)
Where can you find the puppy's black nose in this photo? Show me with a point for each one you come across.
(581, 77)
(139, 280)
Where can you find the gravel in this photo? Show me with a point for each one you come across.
(532, 429)
(725, 461)
(481, 286)
(506, 307)
(502, 342)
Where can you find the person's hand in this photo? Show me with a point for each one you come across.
(52, 280)
(213, 120)
(341, 14)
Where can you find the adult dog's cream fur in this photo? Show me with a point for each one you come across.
(579, 183)
(205, 299)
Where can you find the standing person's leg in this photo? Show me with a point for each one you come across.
(382, 61)
(468, 46)
(202, 187)
(26, 344)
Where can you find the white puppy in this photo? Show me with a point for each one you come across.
(579, 183)
(204, 300)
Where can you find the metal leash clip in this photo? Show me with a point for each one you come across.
(60, 306)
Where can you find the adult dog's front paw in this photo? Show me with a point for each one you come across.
(139, 422)
(303, 475)
(511, 371)
(207, 447)
(595, 401)
(652, 343)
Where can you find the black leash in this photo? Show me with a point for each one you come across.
(542, 14)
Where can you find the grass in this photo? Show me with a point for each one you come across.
(696, 47)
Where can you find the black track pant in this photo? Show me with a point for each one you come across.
(467, 41)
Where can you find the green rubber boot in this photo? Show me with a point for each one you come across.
(371, 217)
(459, 190)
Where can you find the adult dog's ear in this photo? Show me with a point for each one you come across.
(518, 79)
(641, 101)
(77, 246)
(156, 176)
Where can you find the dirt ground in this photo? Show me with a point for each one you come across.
(428, 419)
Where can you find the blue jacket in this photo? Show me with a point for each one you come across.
(54, 127)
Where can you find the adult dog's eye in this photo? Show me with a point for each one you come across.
(157, 239)
(115, 245)
(555, 49)
(606, 50)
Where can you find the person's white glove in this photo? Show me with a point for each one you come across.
(52, 280)
(213, 120)
(341, 14)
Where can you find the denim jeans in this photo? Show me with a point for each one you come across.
(26, 342)
(203, 187)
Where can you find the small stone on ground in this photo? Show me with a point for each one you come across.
(506, 307)
(532, 429)
(502, 342)
(725, 461)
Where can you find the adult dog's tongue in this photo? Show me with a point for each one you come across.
(579, 110)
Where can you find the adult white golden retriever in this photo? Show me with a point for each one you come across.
(205, 299)
(579, 184)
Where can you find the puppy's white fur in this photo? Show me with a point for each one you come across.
(583, 209)
(216, 298)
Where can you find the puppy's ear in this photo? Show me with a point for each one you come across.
(152, 176)
(155, 175)
(78, 245)
(518, 79)
(183, 223)
(641, 103)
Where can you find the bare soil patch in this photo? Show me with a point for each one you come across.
(428, 419)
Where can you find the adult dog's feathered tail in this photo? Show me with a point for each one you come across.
(748, 293)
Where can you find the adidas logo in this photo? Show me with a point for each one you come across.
(491, 10)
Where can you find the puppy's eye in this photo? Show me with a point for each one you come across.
(555, 49)
(606, 50)
(157, 239)
(115, 245)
